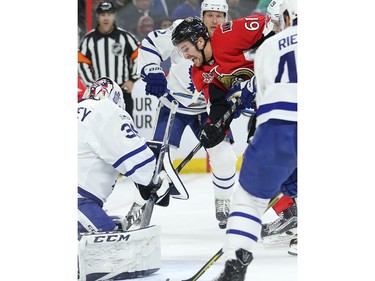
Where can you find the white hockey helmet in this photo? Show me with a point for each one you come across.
(215, 5)
(105, 88)
(272, 15)
(291, 7)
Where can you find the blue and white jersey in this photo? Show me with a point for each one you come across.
(108, 145)
(158, 47)
(276, 71)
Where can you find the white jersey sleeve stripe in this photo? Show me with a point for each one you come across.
(129, 155)
(138, 166)
(151, 51)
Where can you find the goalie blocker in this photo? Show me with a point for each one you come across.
(119, 255)
(175, 188)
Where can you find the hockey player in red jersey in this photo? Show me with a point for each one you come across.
(220, 62)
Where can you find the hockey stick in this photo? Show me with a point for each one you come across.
(149, 206)
(274, 200)
(220, 252)
(224, 118)
(203, 269)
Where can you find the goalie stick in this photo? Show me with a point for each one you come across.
(220, 252)
(149, 206)
(132, 219)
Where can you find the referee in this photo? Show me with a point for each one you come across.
(109, 51)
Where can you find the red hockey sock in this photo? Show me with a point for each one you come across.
(283, 204)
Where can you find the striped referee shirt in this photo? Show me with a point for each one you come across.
(113, 55)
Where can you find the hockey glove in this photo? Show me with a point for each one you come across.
(212, 135)
(156, 83)
(159, 191)
(245, 91)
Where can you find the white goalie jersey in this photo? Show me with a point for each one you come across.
(158, 47)
(108, 145)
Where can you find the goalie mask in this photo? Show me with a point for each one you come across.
(216, 6)
(104, 88)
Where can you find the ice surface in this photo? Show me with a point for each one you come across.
(190, 235)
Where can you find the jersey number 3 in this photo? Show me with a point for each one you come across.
(129, 130)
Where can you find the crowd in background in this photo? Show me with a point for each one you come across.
(136, 18)
(141, 16)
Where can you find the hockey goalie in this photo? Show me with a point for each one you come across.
(108, 145)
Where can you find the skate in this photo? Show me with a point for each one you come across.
(293, 247)
(222, 211)
(235, 270)
(283, 229)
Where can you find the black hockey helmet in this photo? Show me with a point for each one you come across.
(106, 7)
(190, 29)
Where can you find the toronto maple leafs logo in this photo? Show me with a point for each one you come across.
(191, 86)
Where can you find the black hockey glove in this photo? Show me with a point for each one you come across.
(160, 191)
(212, 135)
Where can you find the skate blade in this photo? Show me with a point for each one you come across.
(284, 237)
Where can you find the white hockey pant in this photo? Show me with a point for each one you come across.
(244, 222)
(223, 161)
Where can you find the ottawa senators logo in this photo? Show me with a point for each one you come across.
(231, 79)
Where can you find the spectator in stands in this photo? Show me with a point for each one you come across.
(189, 8)
(145, 26)
(172, 4)
(129, 15)
(160, 6)
(165, 23)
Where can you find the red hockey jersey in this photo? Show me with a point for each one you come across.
(233, 53)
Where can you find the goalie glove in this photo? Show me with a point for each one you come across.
(246, 92)
(160, 191)
(156, 83)
(212, 135)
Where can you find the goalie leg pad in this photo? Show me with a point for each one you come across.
(119, 255)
